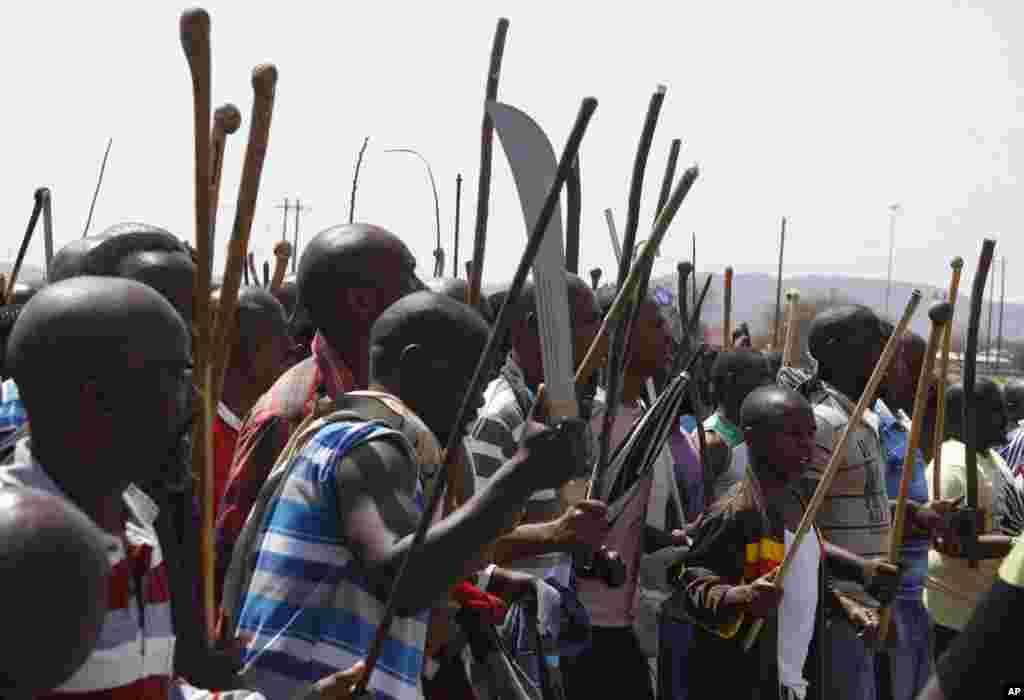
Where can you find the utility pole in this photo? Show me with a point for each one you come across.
(284, 221)
(1002, 310)
(894, 209)
(295, 250)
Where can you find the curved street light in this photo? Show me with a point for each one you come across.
(439, 251)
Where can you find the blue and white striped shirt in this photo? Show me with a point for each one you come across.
(12, 416)
(310, 610)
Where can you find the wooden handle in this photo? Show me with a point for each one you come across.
(194, 30)
(226, 120)
(264, 80)
(940, 407)
(941, 315)
(791, 351)
(282, 254)
(37, 207)
(839, 451)
(727, 311)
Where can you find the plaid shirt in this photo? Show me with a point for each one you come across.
(266, 432)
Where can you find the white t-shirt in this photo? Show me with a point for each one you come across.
(796, 612)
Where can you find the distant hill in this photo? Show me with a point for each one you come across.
(753, 300)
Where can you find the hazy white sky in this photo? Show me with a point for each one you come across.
(825, 111)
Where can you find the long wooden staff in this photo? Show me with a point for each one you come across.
(47, 228)
(839, 453)
(483, 190)
(940, 386)
(264, 81)
(37, 207)
(727, 311)
(480, 377)
(670, 174)
(266, 274)
(458, 211)
(791, 350)
(636, 183)
(282, 254)
(226, 120)
(194, 30)
(969, 514)
(940, 315)
(613, 234)
(683, 271)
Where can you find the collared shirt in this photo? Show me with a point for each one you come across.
(134, 654)
(310, 609)
(265, 433)
(1013, 452)
(894, 432)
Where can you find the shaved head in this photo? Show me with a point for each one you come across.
(130, 354)
(69, 261)
(991, 419)
(769, 405)
(1013, 393)
(779, 427)
(54, 566)
(259, 314)
(353, 257)
(425, 347)
(458, 290)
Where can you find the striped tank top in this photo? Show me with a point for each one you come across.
(309, 610)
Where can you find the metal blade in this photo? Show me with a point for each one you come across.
(533, 164)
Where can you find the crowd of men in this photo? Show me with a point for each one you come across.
(342, 388)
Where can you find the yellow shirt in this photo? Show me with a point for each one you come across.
(958, 587)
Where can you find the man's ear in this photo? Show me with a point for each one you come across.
(411, 361)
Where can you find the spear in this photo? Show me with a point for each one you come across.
(438, 251)
(458, 209)
(778, 287)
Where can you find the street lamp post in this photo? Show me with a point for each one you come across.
(894, 209)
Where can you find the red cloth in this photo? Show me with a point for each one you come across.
(225, 437)
(490, 606)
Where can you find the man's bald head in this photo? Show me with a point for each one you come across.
(69, 261)
(412, 352)
(349, 274)
(847, 342)
(767, 406)
(990, 417)
(458, 289)
(259, 314)
(54, 566)
(779, 428)
(1013, 394)
(130, 358)
(147, 254)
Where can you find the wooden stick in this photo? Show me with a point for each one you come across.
(252, 269)
(839, 452)
(791, 351)
(103, 168)
(595, 278)
(940, 407)
(636, 183)
(616, 246)
(194, 29)
(727, 311)
(940, 315)
(226, 120)
(266, 274)
(458, 211)
(282, 253)
(778, 287)
(483, 190)
(264, 81)
(47, 228)
(37, 208)
(573, 214)
(355, 181)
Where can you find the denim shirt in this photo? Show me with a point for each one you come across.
(894, 434)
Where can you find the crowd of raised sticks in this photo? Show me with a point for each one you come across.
(342, 387)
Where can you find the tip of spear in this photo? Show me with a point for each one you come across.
(661, 89)
(957, 263)
(42, 193)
